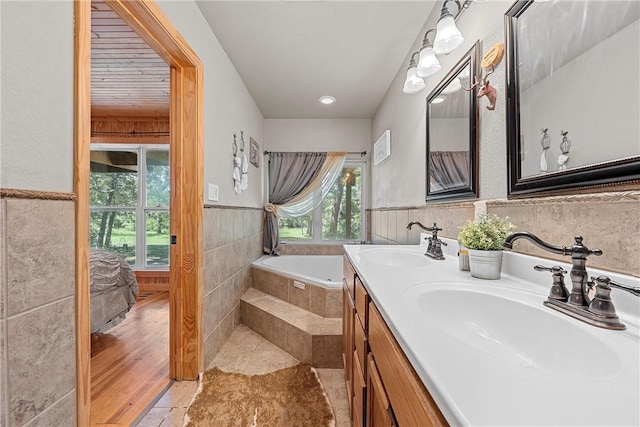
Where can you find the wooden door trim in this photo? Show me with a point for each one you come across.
(81, 160)
(186, 153)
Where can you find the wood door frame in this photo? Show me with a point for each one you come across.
(186, 154)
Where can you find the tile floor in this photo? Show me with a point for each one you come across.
(248, 353)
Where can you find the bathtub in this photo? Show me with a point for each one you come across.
(320, 270)
(311, 282)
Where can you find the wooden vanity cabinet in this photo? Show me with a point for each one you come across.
(411, 402)
(382, 387)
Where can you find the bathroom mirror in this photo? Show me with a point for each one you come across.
(452, 118)
(572, 95)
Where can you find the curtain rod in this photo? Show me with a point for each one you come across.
(362, 153)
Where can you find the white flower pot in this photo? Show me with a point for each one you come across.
(485, 264)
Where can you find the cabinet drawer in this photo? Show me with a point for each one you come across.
(359, 393)
(362, 347)
(349, 275)
(411, 402)
(362, 302)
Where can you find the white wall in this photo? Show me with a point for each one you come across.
(582, 88)
(317, 135)
(228, 106)
(405, 116)
(36, 144)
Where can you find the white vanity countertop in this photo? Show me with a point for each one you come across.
(490, 353)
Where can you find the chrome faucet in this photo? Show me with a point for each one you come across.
(434, 248)
(599, 311)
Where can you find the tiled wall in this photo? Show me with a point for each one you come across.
(389, 225)
(607, 221)
(37, 312)
(310, 249)
(232, 241)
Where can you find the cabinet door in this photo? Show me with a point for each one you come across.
(379, 412)
(348, 310)
(412, 404)
(349, 275)
(359, 393)
(362, 302)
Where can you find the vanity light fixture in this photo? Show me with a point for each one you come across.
(428, 63)
(327, 100)
(413, 83)
(448, 36)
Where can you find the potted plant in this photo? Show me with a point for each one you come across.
(483, 238)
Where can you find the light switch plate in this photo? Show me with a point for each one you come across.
(213, 193)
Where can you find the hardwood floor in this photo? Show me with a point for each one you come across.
(130, 363)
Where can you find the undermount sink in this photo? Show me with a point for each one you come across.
(394, 256)
(513, 327)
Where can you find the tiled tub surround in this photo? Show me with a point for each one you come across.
(321, 300)
(607, 221)
(232, 241)
(311, 249)
(307, 322)
(37, 311)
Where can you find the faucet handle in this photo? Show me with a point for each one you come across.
(559, 291)
(605, 281)
(556, 269)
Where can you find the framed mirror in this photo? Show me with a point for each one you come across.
(452, 133)
(572, 95)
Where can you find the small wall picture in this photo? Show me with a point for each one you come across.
(382, 147)
(254, 150)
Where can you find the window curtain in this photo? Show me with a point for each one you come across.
(449, 169)
(294, 180)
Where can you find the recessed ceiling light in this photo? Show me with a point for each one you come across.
(327, 99)
(439, 99)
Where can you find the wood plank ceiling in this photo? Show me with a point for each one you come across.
(128, 79)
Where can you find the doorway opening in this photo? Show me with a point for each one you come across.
(185, 153)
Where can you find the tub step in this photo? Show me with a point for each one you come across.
(306, 336)
(325, 302)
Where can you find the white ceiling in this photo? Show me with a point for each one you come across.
(289, 53)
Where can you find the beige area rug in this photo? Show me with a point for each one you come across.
(288, 397)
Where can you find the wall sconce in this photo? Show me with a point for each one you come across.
(428, 63)
(413, 83)
(448, 36)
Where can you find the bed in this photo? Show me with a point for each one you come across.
(113, 288)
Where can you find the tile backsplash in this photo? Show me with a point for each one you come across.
(607, 221)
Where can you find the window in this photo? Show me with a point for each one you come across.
(129, 190)
(340, 215)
